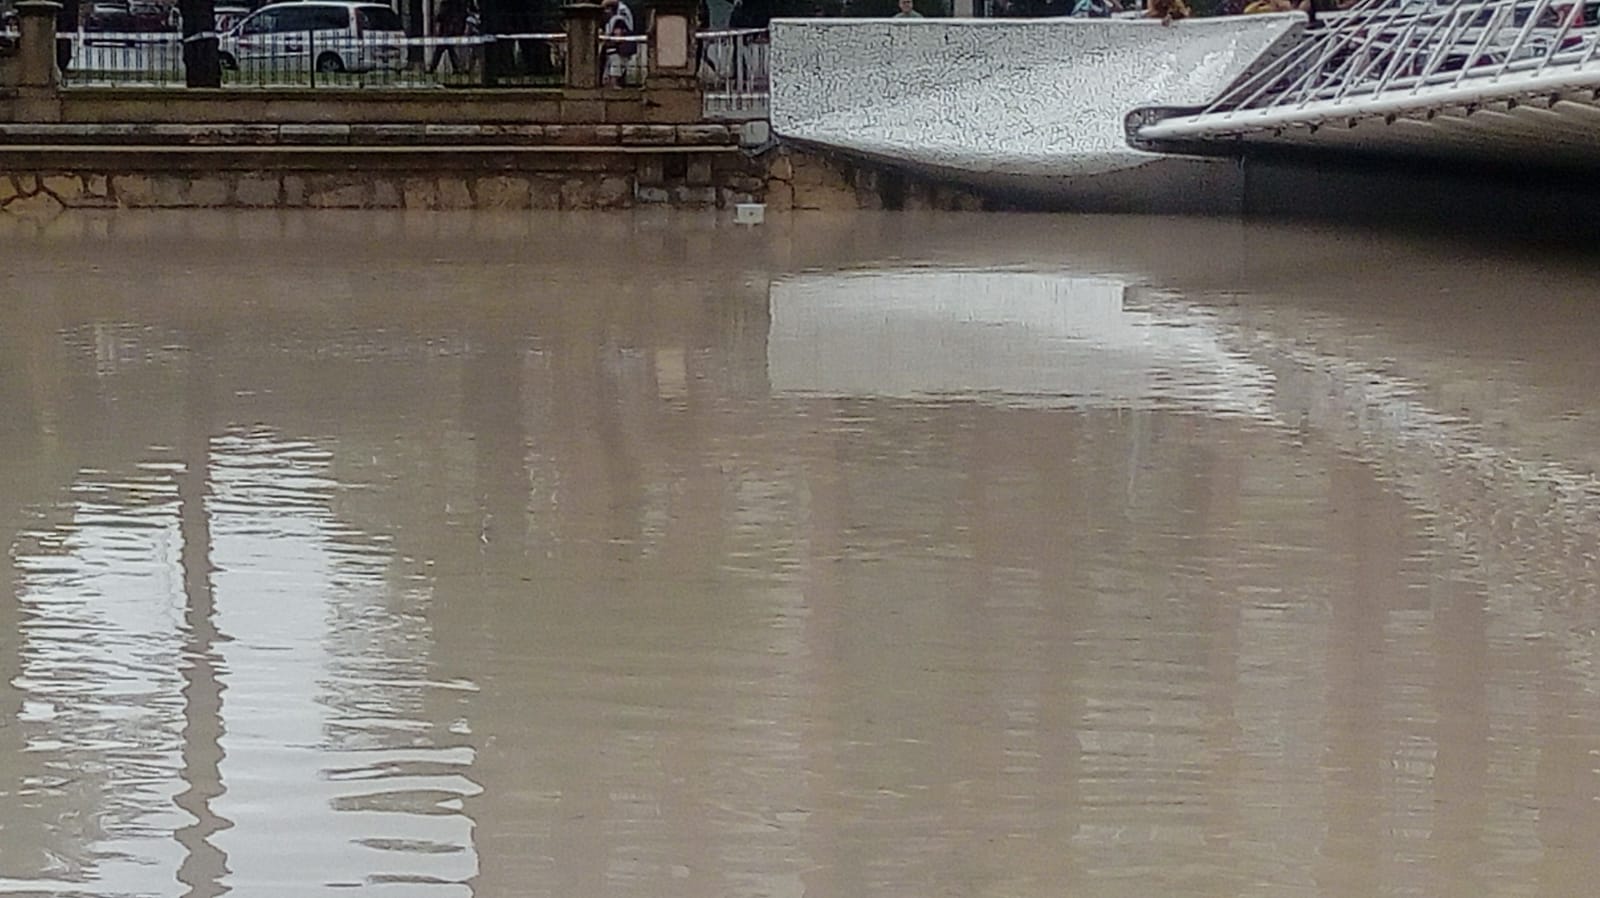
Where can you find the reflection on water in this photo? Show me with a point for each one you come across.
(630, 556)
(1006, 336)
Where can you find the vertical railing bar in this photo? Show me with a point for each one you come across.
(1282, 66)
(1396, 59)
(1455, 25)
(1489, 31)
(1522, 36)
(1561, 35)
(1372, 60)
(1333, 46)
(1394, 13)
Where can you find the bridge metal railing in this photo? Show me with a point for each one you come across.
(1383, 52)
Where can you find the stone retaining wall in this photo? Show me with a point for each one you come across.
(52, 190)
(44, 180)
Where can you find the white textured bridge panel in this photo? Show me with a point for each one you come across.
(1023, 106)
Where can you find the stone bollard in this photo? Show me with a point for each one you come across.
(36, 44)
(582, 23)
(38, 79)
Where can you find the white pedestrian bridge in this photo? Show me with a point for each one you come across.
(1512, 81)
(1127, 114)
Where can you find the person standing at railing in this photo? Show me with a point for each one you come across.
(907, 11)
(451, 16)
(618, 53)
(615, 10)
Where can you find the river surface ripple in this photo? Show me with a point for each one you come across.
(571, 556)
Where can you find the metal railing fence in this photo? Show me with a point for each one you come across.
(733, 64)
(733, 69)
(321, 59)
(1383, 51)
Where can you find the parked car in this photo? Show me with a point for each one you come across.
(228, 15)
(330, 35)
(109, 16)
(148, 15)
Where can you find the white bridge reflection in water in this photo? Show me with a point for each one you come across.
(1050, 339)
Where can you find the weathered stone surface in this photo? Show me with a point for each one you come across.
(809, 171)
(38, 204)
(583, 110)
(571, 135)
(704, 135)
(385, 194)
(684, 195)
(607, 134)
(517, 134)
(698, 172)
(257, 191)
(338, 191)
(8, 188)
(968, 202)
(596, 193)
(727, 198)
(544, 192)
(208, 192)
(67, 189)
(314, 134)
(453, 193)
(577, 193)
(649, 135)
(98, 189)
(133, 191)
(218, 135)
(652, 195)
(419, 193)
(755, 134)
(381, 134)
(781, 168)
(453, 134)
(294, 191)
(746, 183)
(502, 192)
(649, 170)
(171, 191)
(833, 196)
(614, 193)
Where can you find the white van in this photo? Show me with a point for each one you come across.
(326, 35)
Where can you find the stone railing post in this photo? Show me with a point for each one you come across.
(672, 51)
(38, 79)
(582, 22)
(36, 44)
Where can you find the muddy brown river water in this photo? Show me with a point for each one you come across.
(872, 556)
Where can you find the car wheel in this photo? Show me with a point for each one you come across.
(329, 63)
(227, 62)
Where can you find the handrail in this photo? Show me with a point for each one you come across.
(1380, 47)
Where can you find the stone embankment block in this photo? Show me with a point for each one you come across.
(498, 167)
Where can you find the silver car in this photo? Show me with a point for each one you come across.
(325, 35)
